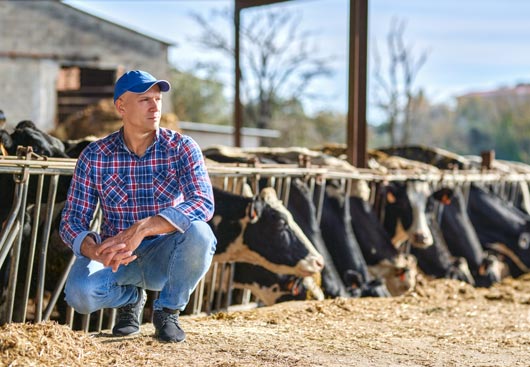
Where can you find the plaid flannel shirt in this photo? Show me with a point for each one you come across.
(169, 180)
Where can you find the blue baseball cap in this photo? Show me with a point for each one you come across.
(138, 81)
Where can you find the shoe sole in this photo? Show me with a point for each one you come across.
(157, 336)
(131, 334)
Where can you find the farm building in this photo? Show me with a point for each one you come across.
(56, 60)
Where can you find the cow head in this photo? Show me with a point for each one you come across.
(399, 273)
(405, 217)
(273, 288)
(264, 234)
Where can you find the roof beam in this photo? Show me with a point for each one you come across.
(242, 4)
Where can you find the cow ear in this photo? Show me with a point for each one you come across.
(246, 191)
(445, 200)
(390, 197)
(253, 212)
(444, 195)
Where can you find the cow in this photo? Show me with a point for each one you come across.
(300, 204)
(269, 288)
(272, 256)
(26, 134)
(343, 247)
(261, 231)
(501, 228)
(353, 278)
(272, 288)
(403, 209)
(436, 260)
(437, 157)
(462, 238)
(384, 261)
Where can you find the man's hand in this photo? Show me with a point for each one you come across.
(119, 250)
(113, 254)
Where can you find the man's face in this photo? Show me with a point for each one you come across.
(141, 111)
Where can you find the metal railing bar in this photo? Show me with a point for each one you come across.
(54, 180)
(32, 245)
(58, 289)
(13, 271)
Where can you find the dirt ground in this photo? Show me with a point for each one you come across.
(442, 323)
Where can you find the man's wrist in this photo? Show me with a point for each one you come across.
(86, 244)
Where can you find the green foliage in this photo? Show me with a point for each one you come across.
(298, 129)
(497, 121)
(199, 100)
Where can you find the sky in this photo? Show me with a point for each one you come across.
(471, 45)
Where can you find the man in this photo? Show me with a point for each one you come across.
(156, 198)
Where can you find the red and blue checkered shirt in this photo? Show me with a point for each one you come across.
(169, 180)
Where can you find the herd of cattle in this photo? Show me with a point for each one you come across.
(336, 235)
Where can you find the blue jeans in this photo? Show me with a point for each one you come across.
(172, 264)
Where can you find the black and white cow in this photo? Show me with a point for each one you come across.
(261, 231)
(343, 247)
(399, 270)
(436, 260)
(501, 227)
(301, 206)
(26, 134)
(462, 239)
(271, 288)
(404, 206)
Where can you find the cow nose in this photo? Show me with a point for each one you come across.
(310, 265)
(419, 239)
(319, 263)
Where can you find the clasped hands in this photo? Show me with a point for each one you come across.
(114, 251)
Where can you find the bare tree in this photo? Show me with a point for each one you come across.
(277, 59)
(394, 91)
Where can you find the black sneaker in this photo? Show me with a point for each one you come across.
(128, 317)
(167, 326)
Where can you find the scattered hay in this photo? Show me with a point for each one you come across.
(442, 322)
(44, 344)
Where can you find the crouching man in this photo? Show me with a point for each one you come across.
(156, 197)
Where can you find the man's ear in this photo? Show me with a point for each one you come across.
(119, 106)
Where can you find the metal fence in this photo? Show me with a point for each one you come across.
(29, 229)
